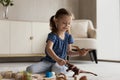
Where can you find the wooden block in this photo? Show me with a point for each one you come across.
(76, 77)
(6, 74)
(1, 77)
(18, 76)
(83, 78)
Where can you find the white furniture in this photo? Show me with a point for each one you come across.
(25, 38)
(84, 35)
(4, 37)
(22, 38)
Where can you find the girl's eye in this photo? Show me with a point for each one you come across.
(68, 23)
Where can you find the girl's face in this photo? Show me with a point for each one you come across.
(63, 23)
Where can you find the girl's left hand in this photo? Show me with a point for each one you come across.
(83, 52)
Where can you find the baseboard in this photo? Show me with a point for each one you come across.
(105, 60)
(4, 58)
(19, 59)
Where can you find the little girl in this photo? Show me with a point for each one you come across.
(58, 43)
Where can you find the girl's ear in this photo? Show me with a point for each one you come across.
(55, 20)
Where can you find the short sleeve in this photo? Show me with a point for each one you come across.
(70, 39)
(51, 37)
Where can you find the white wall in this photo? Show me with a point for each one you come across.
(39, 10)
(87, 10)
(108, 29)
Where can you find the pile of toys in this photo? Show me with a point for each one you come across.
(23, 75)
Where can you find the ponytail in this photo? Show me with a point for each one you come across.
(53, 25)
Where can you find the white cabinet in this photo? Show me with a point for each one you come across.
(40, 32)
(4, 37)
(20, 33)
(22, 37)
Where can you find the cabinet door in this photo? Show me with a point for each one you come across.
(40, 32)
(20, 42)
(4, 37)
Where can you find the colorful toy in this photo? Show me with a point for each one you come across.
(48, 74)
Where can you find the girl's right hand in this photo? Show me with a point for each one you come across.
(61, 62)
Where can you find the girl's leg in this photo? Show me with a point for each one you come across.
(39, 67)
(59, 69)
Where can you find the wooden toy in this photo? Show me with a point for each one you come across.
(1, 77)
(76, 70)
(6, 74)
(83, 78)
(17, 76)
(61, 76)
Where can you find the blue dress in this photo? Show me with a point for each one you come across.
(59, 45)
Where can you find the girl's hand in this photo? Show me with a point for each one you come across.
(83, 52)
(61, 62)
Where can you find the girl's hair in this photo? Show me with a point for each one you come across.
(60, 13)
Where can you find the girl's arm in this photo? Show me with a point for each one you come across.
(52, 54)
(69, 48)
(78, 52)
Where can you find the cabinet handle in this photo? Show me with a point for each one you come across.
(31, 37)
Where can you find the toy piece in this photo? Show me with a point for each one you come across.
(23, 76)
(61, 76)
(37, 77)
(6, 75)
(43, 77)
(76, 70)
(17, 76)
(48, 74)
(1, 77)
(75, 77)
(83, 78)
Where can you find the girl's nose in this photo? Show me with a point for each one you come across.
(67, 25)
